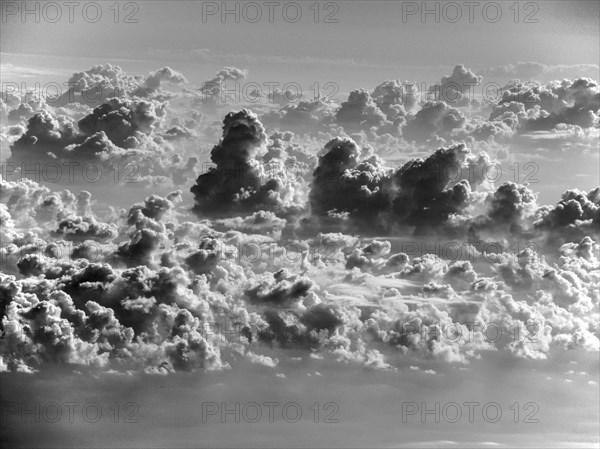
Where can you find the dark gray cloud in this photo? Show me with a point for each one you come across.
(239, 182)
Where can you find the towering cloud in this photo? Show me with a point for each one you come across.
(422, 194)
(239, 182)
(459, 88)
(344, 183)
(426, 197)
(359, 112)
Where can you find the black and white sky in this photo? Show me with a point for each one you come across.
(299, 224)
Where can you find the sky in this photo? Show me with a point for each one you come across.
(201, 212)
(369, 42)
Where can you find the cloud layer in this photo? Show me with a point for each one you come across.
(288, 225)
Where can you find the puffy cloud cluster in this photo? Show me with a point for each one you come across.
(174, 295)
(394, 97)
(119, 141)
(359, 112)
(213, 91)
(125, 139)
(15, 109)
(422, 194)
(534, 107)
(286, 291)
(121, 121)
(96, 85)
(153, 81)
(434, 120)
(307, 116)
(575, 215)
(239, 181)
(510, 206)
(459, 88)
(276, 246)
(354, 188)
(396, 115)
(80, 228)
(117, 124)
(348, 186)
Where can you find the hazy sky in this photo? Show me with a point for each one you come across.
(370, 41)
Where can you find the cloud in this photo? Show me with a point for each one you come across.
(117, 124)
(458, 89)
(575, 215)
(541, 72)
(286, 291)
(434, 119)
(153, 81)
(343, 182)
(213, 91)
(423, 193)
(121, 121)
(239, 182)
(102, 82)
(168, 284)
(307, 116)
(84, 228)
(395, 97)
(359, 112)
(177, 305)
(542, 107)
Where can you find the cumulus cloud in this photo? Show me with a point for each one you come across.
(458, 89)
(153, 81)
(113, 125)
(359, 112)
(120, 141)
(92, 87)
(157, 289)
(575, 215)
(434, 119)
(95, 86)
(168, 303)
(536, 107)
(423, 193)
(214, 91)
(345, 183)
(239, 182)
(394, 97)
(307, 116)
